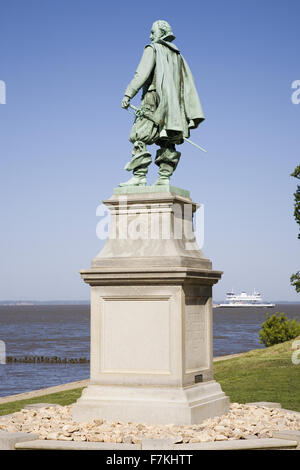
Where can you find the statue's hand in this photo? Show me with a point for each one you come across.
(125, 102)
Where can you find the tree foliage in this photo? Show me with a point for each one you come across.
(295, 281)
(278, 329)
(295, 278)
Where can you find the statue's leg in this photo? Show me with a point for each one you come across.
(144, 132)
(167, 159)
(138, 164)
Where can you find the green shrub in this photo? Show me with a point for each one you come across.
(277, 329)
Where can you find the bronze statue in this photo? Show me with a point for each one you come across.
(170, 106)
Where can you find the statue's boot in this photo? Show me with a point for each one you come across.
(167, 159)
(136, 180)
(164, 172)
(139, 163)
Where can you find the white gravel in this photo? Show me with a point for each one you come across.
(242, 422)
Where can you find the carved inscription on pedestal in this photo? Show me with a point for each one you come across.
(196, 337)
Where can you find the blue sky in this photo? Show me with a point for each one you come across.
(64, 137)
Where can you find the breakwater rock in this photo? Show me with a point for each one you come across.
(47, 359)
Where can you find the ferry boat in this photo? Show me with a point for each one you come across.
(245, 300)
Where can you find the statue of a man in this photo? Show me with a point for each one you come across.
(170, 106)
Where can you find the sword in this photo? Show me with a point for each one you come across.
(193, 143)
(137, 111)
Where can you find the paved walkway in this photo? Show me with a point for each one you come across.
(44, 391)
(71, 385)
(229, 356)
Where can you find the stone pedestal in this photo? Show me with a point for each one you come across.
(151, 316)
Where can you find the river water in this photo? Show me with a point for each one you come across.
(64, 331)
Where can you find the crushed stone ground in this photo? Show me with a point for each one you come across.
(241, 422)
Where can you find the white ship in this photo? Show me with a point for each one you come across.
(245, 300)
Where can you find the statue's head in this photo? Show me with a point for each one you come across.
(161, 30)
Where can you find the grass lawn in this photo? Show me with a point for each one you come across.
(259, 375)
(262, 375)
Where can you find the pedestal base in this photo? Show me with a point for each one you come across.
(153, 405)
(151, 317)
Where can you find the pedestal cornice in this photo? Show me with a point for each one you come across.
(161, 275)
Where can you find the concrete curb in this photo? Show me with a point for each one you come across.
(8, 440)
(270, 404)
(248, 444)
(294, 435)
(73, 445)
(241, 444)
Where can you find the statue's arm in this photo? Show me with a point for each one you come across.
(141, 75)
